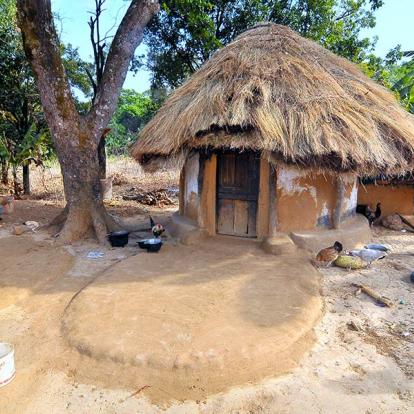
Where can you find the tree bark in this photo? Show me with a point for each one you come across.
(102, 158)
(16, 186)
(26, 179)
(77, 137)
(5, 173)
(85, 212)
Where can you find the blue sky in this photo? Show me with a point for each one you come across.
(394, 26)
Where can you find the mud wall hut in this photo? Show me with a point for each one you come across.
(396, 194)
(271, 134)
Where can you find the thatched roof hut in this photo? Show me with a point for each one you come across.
(273, 90)
(262, 130)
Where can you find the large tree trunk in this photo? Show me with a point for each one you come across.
(85, 214)
(26, 179)
(77, 137)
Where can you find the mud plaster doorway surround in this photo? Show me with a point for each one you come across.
(207, 218)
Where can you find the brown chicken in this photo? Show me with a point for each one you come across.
(327, 256)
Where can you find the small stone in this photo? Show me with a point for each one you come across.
(353, 326)
(18, 230)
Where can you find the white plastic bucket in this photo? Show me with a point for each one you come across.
(7, 370)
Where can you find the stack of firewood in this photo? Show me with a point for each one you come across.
(160, 198)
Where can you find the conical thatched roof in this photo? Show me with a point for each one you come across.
(275, 91)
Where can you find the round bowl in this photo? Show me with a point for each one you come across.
(151, 245)
(118, 238)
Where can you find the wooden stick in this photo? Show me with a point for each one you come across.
(367, 290)
(138, 391)
(340, 194)
(405, 221)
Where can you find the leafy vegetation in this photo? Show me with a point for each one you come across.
(186, 33)
(24, 136)
(23, 131)
(133, 112)
(179, 39)
(404, 86)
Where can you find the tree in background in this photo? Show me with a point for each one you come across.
(186, 32)
(23, 131)
(76, 136)
(33, 147)
(87, 77)
(404, 83)
(133, 112)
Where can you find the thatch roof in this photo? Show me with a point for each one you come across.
(275, 91)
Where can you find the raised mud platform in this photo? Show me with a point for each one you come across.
(352, 233)
(195, 320)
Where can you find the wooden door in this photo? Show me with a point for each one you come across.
(237, 193)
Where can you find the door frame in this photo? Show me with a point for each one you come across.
(208, 203)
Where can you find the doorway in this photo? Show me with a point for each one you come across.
(237, 193)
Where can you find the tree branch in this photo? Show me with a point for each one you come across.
(128, 36)
(92, 81)
(42, 49)
(344, 15)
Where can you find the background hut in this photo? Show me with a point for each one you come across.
(271, 134)
(395, 193)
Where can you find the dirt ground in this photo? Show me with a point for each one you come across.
(369, 370)
(171, 324)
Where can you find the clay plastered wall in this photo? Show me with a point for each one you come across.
(305, 200)
(393, 199)
(350, 199)
(191, 196)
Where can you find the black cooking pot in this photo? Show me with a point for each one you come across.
(118, 238)
(151, 245)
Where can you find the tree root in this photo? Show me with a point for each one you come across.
(60, 219)
(77, 224)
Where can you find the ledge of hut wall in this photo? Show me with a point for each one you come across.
(207, 210)
(393, 198)
(355, 233)
(189, 191)
(306, 199)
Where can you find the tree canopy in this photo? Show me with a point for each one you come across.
(404, 84)
(133, 112)
(186, 32)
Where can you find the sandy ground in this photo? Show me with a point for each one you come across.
(170, 324)
(346, 371)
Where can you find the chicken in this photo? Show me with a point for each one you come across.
(372, 216)
(156, 228)
(369, 255)
(328, 255)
